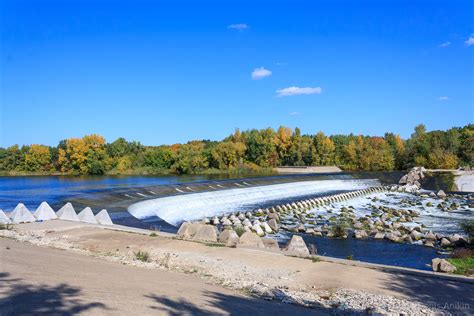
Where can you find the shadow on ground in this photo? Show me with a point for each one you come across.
(222, 304)
(20, 298)
(438, 293)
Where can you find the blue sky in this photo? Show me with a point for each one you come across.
(163, 72)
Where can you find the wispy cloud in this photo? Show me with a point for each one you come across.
(295, 113)
(470, 41)
(238, 27)
(279, 63)
(445, 44)
(444, 98)
(260, 73)
(291, 91)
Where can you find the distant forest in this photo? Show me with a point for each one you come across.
(249, 151)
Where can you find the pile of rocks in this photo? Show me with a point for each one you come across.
(411, 181)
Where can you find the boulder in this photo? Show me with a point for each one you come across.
(273, 224)
(379, 235)
(297, 247)
(258, 230)
(445, 242)
(266, 228)
(250, 239)
(206, 233)
(270, 243)
(360, 234)
(416, 235)
(441, 194)
(430, 236)
(442, 265)
(229, 237)
(188, 230)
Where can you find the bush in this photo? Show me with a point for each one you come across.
(240, 230)
(6, 226)
(340, 228)
(462, 253)
(468, 228)
(153, 235)
(142, 256)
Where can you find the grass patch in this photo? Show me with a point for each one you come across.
(350, 257)
(142, 256)
(214, 244)
(6, 226)
(239, 230)
(463, 266)
(315, 259)
(153, 235)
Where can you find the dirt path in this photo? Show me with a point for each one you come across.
(36, 280)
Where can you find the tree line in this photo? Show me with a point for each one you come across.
(247, 151)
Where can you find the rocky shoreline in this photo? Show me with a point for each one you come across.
(325, 217)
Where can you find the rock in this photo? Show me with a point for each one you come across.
(274, 216)
(379, 235)
(207, 233)
(442, 265)
(297, 247)
(445, 242)
(250, 239)
(273, 224)
(360, 234)
(226, 222)
(266, 227)
(258, 230)
(455, 238)
(229, 237)
(428, 243)
(271, 243)
(430, 236)
(415, 235)
(300, 228)
(392, 237)
(441, 194)
(188, 230)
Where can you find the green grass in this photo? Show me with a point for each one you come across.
(214, 244)
(6, 226)
(142, 256)
(239, 230)
(153, 235)
(463, 266)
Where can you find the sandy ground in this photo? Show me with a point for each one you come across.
(299, 280)
(38, 280)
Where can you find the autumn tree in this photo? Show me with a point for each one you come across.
(38, 158)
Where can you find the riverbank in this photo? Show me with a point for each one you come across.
(345, 286)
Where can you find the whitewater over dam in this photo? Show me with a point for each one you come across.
(194, 206)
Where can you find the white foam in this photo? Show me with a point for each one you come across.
(175, 209)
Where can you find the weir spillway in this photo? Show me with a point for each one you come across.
(175, 209)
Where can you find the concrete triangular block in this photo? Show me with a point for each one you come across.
(44, 212)
(21, 215)
(4, 218)
(87, 216)
(103, 218)
(67, 213)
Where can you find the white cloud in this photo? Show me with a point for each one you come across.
(260, 73)
(239, 26)
(445, 44)
(470, 41)
(295, 113)
(279, 63)
(443, 98)
(290, 91)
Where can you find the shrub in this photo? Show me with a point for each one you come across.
(339, 229)
(240, 230)
(153, 235)
(5, 226)
(462, 253)
(468, 228)
(142, 256)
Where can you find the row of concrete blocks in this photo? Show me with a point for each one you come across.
(326, 200)
(45, 212)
